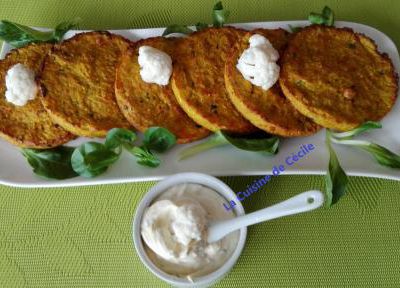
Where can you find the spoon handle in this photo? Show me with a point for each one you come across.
(303, 202)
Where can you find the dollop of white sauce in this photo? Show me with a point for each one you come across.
(20, 84)
(168, 228)
(155, 65)
(258, 62)
(174, 228)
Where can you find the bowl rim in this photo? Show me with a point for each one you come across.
(196, 178)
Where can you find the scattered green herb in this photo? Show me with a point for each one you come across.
(64, 27)
(51, 163)
(182, 29)
(158, 139)
(214, 140)
(327, 17)
(382, 155)
(118, 137)
(336, 179)
(92, 159)
(155, 138)
(219, 15)
(145, 157)
(262, 142)
(357, 131)
(19, 35)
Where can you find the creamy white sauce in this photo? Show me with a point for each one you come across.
(258, 62)
(20, 84)
(174, 229)
(155, 65)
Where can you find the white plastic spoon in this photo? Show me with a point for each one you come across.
(303, 202)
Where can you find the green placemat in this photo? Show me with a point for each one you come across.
(81, 237)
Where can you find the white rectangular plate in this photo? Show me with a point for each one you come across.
(224, 161)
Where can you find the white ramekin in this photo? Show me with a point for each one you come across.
(155, 191)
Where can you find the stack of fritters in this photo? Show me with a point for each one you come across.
(329, 77)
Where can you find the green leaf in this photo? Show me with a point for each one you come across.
(336, 179)
(118, 137)
(213, 141)
(327, 17)
(357, 131)
(176, 28)
(51, 163)
(219, 15)
(19, 35)
(201, 26)
(158, 139)
(262, 142)
(64, 27)
(145, 157)
(35, 34)
(316, 18)
(92, 159)
(12, 34)
(382, 155)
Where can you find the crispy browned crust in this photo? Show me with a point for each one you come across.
(338, 77)
(77, 83)
(198, 80)
(269, 109)
(146, 105)
(28, 126)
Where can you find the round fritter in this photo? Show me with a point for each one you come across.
(198, 80)
(145, 104)
(269, 109)
(28, 126)
(337, 77)
(77, 83)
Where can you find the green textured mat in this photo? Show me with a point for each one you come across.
(81, 237)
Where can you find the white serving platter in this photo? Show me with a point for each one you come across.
(226, 160)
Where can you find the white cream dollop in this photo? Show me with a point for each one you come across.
(155, 65)
(174, 229)
(168, 229)
(258, 62)
(21, 85)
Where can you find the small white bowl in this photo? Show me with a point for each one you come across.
(197, 178)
